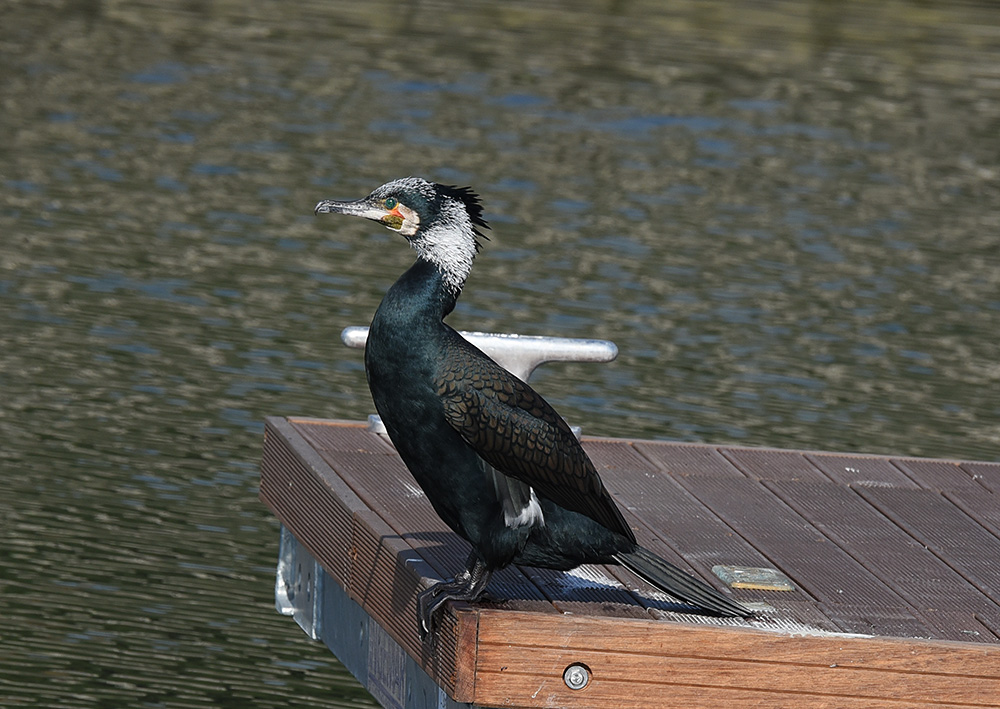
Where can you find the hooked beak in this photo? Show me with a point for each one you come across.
(359, 208)
(366, 208)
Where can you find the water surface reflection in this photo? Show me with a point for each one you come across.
(784, 215)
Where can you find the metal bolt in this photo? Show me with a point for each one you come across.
(576, 676)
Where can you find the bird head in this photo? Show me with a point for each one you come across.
(441, 222)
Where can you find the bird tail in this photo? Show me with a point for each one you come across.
(676, 582)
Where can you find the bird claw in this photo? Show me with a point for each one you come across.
(468, 586)
(431, 602)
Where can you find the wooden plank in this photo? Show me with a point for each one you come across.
(319, 509)
(983, 506)
(934, 521)
(370, 467)
(387, 487)
(791, 543)
(986, 474)
(688, 459)
(937, 474)
(771, 464)
(860, 469)
(386, 575)
(889, 553)
(377, 568)
(683, 526)
(904, 655)
(638, 695)
(640, 664)
(341, 436)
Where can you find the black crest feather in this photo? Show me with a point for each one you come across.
(472, 205)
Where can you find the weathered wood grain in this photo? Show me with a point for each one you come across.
(641, 664)
(904, 549)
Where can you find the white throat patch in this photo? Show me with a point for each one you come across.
(450, 244)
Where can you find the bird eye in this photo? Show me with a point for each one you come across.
(390, 203)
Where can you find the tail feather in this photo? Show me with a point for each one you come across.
(676, 582)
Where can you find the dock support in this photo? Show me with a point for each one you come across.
(325, 612)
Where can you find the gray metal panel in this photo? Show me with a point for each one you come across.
(325, 612)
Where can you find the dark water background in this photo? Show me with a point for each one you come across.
(786, 215)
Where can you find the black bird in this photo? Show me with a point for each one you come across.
(496, 461)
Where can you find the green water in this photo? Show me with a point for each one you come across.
(785, 214)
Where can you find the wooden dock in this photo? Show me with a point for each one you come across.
(893, 564)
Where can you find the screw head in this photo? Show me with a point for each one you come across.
(576, 676)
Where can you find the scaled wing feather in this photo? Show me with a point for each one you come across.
(517, 432)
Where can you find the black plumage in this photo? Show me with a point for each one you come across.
(496, 461)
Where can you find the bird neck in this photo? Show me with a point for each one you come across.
(451, 249)
(421, 294)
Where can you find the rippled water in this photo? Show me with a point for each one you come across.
(787, 217)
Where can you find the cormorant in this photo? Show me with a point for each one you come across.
(496, 461)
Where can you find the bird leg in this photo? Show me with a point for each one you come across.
(467, 586)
